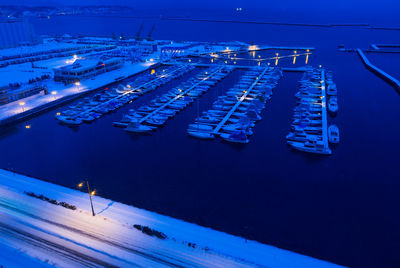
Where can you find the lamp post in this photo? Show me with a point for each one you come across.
(77, 84)
(54, 93)
(91, 193)
(22, 106)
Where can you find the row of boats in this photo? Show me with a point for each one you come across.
(233, 115)
(155, 113)
(108, 100)
(309, 129)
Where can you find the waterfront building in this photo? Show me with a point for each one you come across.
(86, 68)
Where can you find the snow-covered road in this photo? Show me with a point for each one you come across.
(36, 233)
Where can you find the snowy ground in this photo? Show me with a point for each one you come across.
(35, 233)
(13, 108)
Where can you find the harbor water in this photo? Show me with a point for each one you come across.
(341, 208)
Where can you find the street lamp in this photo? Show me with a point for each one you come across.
(91, 193)
(54, 93)
(22, 105)
(77, 83)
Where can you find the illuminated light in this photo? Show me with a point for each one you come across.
(320, 66)
(28, 126)
(103, 64)
(226, 62)
(212, 60)
(128, 86)
(58, 113)
(253, 47)
(234, 62)
(163, 71)
(190, 60)
(259, 56)
(21, 103)
(77, 83)
(259, 63)
(80, 185)
(54, 92)
(277, 58)
(294, 58)
(153, 71)
(151, 59)
(93, 192)
(75, 56)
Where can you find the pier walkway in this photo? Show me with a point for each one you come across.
(379, 72)
(324, 113)
(233, 109)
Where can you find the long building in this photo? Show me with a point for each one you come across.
(86, 68)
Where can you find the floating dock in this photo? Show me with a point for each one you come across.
(309, 130)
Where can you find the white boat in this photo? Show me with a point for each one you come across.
(236, 137)
(333, 105)
(333, 134)
(310, 146)
(200, 134)
(138, 128)
(72, 122)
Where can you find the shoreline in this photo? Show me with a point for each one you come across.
(41, 108)
(114, 219)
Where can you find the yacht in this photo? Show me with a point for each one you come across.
(333, 134)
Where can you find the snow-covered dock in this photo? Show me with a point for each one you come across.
(36, 233)
(379, 72)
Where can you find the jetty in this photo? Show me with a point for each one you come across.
(379, 72)
(240, 100)
(309, 130)
(233, 115)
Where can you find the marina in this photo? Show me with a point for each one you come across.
(166, 106)
(335, 208)
(107, 101)
(234, 114)
(309, 129)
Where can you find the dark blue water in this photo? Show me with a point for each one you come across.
(341, 208)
